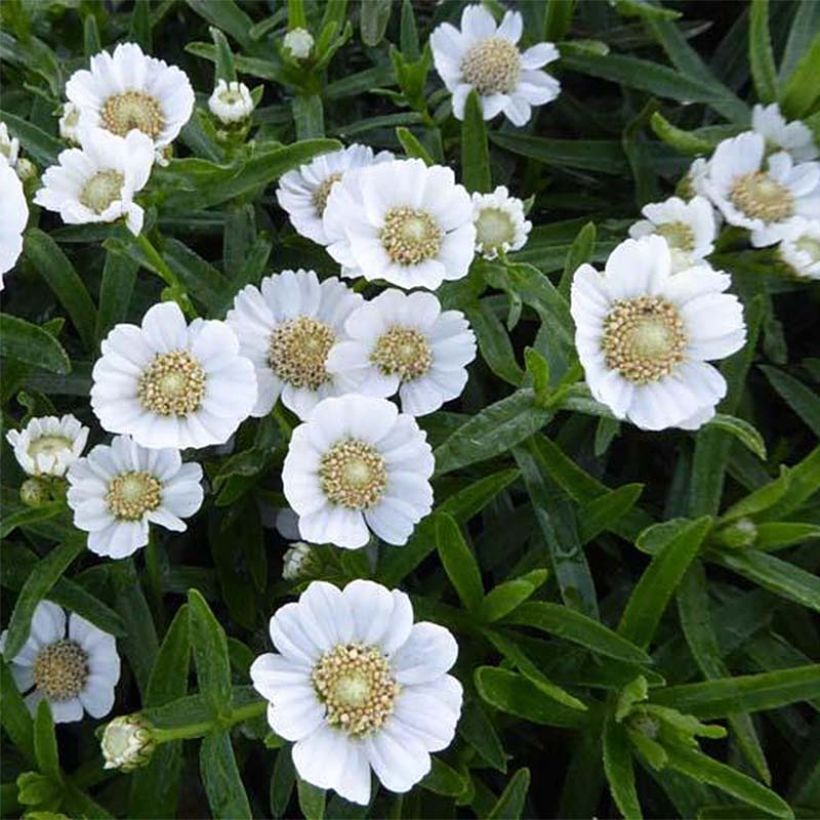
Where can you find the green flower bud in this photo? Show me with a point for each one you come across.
(127, 743)
(35, 492)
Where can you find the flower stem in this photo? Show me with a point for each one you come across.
(175, 289)
(242, 713)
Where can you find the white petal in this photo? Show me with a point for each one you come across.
(428, 653)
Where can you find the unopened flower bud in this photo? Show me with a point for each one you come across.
(34, 492)
(739, 534)
(127, 743)
(297, 561)
(231, 102)
(299, 42)
(69, 122)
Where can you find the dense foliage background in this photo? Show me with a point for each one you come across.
(569, 554)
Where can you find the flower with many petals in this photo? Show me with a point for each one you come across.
(231, 102)
(67, 661)
(48, 445)
(13, 218)
(357, 463)
(794, 137)
(645, 335)
(170, 384)
(359, 687)
(500, 223)
(486, 57)
(800, 248)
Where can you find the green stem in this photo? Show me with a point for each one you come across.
(247, 712)
(175, 289)
(155, 581)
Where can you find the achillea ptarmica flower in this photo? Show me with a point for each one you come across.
(402, 222)
(499, 222)
(688, 227)
(758, 193)
(800, 248)
(303, 192)
(299, 42)
(231, 102)
(645, 334)
(404, 343)
(117, 490)
(74, 671)
(486, 57)
(355, 463)
(358, 686)
(295, 560)
(127, 743)
(9, 146)
(130, 90)
(48, 445)
(794, 137)
(69, 123)
(286, 327)
(170, 384)
(13, 218)
(97, 183)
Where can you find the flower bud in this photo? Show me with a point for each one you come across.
(739, 534)
(231, 102)
(69, 121)
(299, 42)
(34, 492)
(127, 743)
(297, 561)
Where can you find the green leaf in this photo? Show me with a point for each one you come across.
(444, 780)
(478, 730)
(459, 561)
(511, 802)
(375, 15)
(412, 146)
(59, 274)
(281, 784)
(803, 483)
(580, 252)
(15, 717)
(777, 535)
(220, 776)
(475, 156)
(509, 595)
(308, 116)
(605, 157)
(682, 141)
(228, 16)
(210, 646)
(761, 56)
(800, 398)
(30, 515)
(225, 68)
(494, 343)
(651, 594)
(311, 800)
(118, 279)
(27, 343)
(801, 92)
(744, 432)
(805, 24)
(602, 513)
(41, 146)
(45, 742)
(619, 768)
(470, 501)
(169, 675)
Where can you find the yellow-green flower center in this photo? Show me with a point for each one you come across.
(759, 196)
(298, 352)
(101, 190)
(678, 234)
(356, 685)
(49, 445)
(492, 66)
(643, 339)
(131, 495)
(124, 112)
(353, 474)
(61, 670)
(494, 229)
(404, 351)
(321, 194)
(172, 385)
(410, 236)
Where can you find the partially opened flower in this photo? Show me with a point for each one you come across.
(130, 90)
(67, 661)
(688, 227)
(780, 135)
(231, 102)
(170, 384)
(303, 192)
(800, 248)
(286, 327)
(486, 57)
(499, 222)
(645, 335)
(97, 183)
(357, 463)
(13, 218)
(403, 343)
(358, 686)
(402, 222)
(758, 193)
(48, 445)
(118, 490)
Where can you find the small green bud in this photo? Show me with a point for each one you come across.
(739, 534)
(35, 492)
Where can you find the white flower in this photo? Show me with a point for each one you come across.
(231, 102)
(486, 57)
(358, 686)
(402, 222)
(169, 384)
(286, 329)
(9, 146)
(761, 195)
(303, 192)
(117, 490)
(800, 248)
(688, 227)
(499, 222)
(69, 122)
(48, 445)
(644, 335)
(400, 342)
(357, 463)
(130, 90)
(126, 743)
(13, 218)
(299, 42)
(73, 672)
(296, 556)
(795, 137)
(97, 183)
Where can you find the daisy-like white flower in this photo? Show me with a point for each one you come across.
(97, 183)
(169, 384)
(48, 445)
(130, 90)
(9, 146)
(688, 227)
(402, 222)
(645, 335)
(500, 223)
(794, 137)
(13, 218)
(358, 686)
(286, 328)
(800, 248)
(117, 490)
(69, 662)
(69, 123)
(299, 42)
(231, 102)
(295, 560)
(760, 194)
(404, 343)
(356, 462)
(303, 192)
(486, 57)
